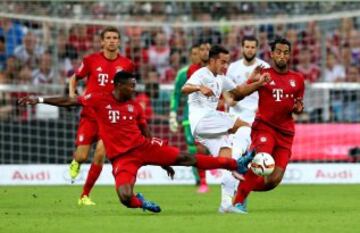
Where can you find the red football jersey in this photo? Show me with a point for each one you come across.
(118, 122)
(192, 68)
(100, 73)
(277, 99)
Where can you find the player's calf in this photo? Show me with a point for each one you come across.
(274, 179)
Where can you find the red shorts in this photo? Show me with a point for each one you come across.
(151, 152)
(87, 132)
(267, 139)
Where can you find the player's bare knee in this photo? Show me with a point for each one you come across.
(124, 195)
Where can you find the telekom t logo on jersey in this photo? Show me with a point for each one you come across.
(103, 79)
(114, 116)
(278, 94)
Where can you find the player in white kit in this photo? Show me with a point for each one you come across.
(239, 72)
(210, 127)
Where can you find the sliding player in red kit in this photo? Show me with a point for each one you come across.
(273, 129)
(123, 129)
(98, 69)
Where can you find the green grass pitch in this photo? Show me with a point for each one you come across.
(289, 208)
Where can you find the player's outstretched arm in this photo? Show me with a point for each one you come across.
(62, 101)
(145, 130)
(246, 89)
(190, 88)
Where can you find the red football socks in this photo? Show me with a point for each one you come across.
(202, 176)
(252, 182)
(93, 175)
(134, 202)
(210, 162)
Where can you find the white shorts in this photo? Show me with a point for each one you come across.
(216, 143)
(214, 124)
(212, 131)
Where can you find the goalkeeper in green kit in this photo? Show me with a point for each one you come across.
(199, 54)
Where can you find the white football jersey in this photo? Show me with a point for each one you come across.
(199, 104)
(239, 73)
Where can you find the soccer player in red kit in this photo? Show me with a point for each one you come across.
(98, 69)
(273, 129)
(123, 129)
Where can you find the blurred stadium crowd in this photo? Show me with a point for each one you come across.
(34, 52)
(29, 50)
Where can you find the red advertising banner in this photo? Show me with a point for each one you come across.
(325, 142)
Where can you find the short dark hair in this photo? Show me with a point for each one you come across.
(215, 50)
(109, 29)
(249, 38)
(279, 40)
(122, 77)
(194, 46)
(203, 40)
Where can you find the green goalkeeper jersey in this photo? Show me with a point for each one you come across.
(177, 97)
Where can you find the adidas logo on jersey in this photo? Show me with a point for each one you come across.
(108, 106)
(99, 69)
(272, 83)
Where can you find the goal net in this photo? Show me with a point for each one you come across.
(43, 42)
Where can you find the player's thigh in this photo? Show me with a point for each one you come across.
(281, 156)
(156, 152)
(262, 141)
(241, 141)
(87, 132)
(214, 123)
(125, 169)
(215, 144)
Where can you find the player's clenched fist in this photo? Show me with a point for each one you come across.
(206, 91)
(264, 78)
(298, 106)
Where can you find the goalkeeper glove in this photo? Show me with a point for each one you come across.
(173, 124)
